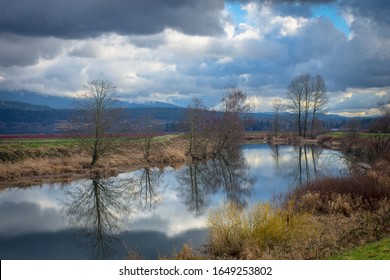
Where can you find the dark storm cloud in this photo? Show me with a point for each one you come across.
(378, 10)
(89, 18)
(22, 51)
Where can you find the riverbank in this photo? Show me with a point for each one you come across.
(24, 164)
(330, 218)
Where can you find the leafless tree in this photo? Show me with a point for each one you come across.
(382, 123)
(307, 84)
(319, 100)
(278, 107)
(229, 125)
(380, 142)
(197, 114)
(307, 100)
(148, 130)
(96, 119)
(353, 127)
(296, 96)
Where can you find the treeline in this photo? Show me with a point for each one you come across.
(47, 120)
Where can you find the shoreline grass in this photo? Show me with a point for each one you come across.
(378, 250)
(21, 165)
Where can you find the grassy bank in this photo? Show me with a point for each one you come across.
(379, 250)
(27, 162)
(332, 218)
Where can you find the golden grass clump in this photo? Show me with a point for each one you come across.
(260, 232)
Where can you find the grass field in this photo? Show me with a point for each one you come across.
(379, 250)
(42, 141)
(36, 143)
(360, 135)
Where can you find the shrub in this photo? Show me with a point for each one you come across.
(260, 232)
(363, 192)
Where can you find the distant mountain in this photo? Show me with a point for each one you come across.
(60, 102)
(146, 105)
(33, 98)
(22, 106)
(270, 116)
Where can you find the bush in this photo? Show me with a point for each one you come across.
(261, 232)
(345, 195)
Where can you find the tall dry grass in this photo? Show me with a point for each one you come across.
(345, 195)
(262, 232)
(315, 221)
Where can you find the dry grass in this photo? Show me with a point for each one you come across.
(262, 232)
(344, 195)
(318, 220)
(50, 164)
(186, 253)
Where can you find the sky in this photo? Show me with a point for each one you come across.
(175, 50)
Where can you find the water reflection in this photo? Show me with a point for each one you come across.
(151, 211)
(97, 208)
(149, 187)
(303, 163)
(228, 173)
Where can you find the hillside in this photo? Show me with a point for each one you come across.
(18, 117)
(61, 102)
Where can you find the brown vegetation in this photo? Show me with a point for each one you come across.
(24, 166)
(314, 221)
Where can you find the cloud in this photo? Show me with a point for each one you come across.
(22, 51)
(91, 18)
(26, 217)
(358, 101)
(378, 10)
(176, 52)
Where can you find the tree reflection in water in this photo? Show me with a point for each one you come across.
(301, 166)
(149, 187)
(227, 172)
(96, 208)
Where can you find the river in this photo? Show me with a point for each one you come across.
(150, 213)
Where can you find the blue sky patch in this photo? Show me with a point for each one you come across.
(236, 12)
(333, 14)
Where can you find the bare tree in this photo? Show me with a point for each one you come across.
(296, 95)
(229, 125)
(307, 84)
(278, 107)
(319, 100)
(382, 123)
(197, 124)
(380, 142)
(96, 119)
(354, 127)
(307, 100)
(148, 129)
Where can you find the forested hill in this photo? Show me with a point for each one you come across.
(24, 118)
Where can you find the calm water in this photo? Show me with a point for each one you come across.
(150, 211)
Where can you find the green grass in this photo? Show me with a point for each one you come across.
(37, 143)
(25, 143)
(359, 135)
(379, 250)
